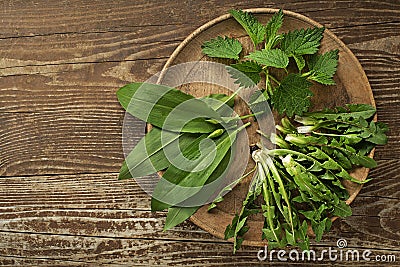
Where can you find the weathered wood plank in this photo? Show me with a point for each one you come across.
(59, 114)
(105, 250)
(148, 43)
(98, 205)
(43, 54)
(87, 141)
(21, 18)
(65, 91)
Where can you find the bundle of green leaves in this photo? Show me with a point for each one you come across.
(182, 135)
(300, 182)
(272, 52)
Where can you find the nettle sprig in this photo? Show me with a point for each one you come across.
(272, 52)
(301, 181)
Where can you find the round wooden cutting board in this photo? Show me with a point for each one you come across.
(351, 87)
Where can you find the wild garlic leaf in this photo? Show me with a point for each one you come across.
(323, 67)
(252, 26)
(293, 95)
(222, 48)
(178, 185)
(153, 103)
(214, 101)
(272, 27)
(250, 68)
(270, 58)
(302, 41)
(177, 215)
(148, 156)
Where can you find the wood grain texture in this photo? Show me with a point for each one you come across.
(62, 91)
(21, 18)
(61, 63)
(94, 217)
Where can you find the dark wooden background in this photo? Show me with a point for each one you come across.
(61, 63)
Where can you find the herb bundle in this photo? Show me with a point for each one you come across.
(300, 182)
(290, 95)
(181, 136)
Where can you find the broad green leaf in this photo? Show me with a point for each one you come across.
(323, 67)
(222, 48)
(177, 215)
(177, 185)
(293, 95)
(148, 156)
(250, 68)
(154, 103)
(302, 41)
(215, 101)
(207, 193)
(271, 58)
(252, 26)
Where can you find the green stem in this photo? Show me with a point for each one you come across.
(306, 74)
(232, 96)
(268, 200)
(268, 161)
(244, 116)
(284, 152)
(230, 186)
(274, 79)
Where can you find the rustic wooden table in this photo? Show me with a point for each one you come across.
(61, 63)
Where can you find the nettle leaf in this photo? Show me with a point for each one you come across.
(302, 41)
(241, 78)
(153, 103)
(250, 68)
(323, 67)
(272, 27)
(300, 62)
(292, 95)
(222, 48)
(252, 26)
(270, 58)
